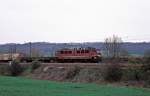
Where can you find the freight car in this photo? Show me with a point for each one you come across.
(9, 57)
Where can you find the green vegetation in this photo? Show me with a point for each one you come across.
(35, 64)
(15, 68)
(13, 86)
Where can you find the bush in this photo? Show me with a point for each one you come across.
(4, 70)
(72, 72)
(134, 74)
(112, 72)
(135, 60)
(146, 66)
(146, 73)
(15, 68)
(35, 64)
(146, 78)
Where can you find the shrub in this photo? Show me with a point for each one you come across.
(135, 60)
(112, 72)
(4, 70)
(146, 78)
(35, 64)
(146, 72)
(147, 60)
(72, 72)
(134, 74)
(15, 68)
(146, 66)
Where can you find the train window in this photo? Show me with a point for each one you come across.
(66, 52)
(86, 51)
(69, 52)
(62, 52)
(82, 51)
(78, 51)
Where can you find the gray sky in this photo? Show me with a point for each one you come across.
(73, 20)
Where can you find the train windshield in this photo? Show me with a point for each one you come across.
(99, 52)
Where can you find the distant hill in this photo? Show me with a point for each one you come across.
(48, 49)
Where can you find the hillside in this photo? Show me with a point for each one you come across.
(48, 49)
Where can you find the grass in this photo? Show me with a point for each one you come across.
(10, 86)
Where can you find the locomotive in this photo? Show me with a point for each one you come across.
(62, 56)
(78, 55)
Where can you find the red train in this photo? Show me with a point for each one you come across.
(78, 55)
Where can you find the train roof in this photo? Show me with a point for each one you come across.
(86, 48)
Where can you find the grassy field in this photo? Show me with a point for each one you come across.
(10, 86)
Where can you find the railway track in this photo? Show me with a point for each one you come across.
(90, 65)
(82, 65)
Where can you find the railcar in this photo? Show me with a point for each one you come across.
(78, 55)
(6, 57)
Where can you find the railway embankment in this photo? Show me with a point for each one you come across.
(124, 74)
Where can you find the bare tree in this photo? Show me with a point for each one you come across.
(113, 46)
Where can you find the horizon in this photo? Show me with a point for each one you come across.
(66, 42)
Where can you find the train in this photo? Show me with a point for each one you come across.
(78, 55)
(61, 56)
(6, 57)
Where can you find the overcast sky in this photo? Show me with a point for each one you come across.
(73, 20)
